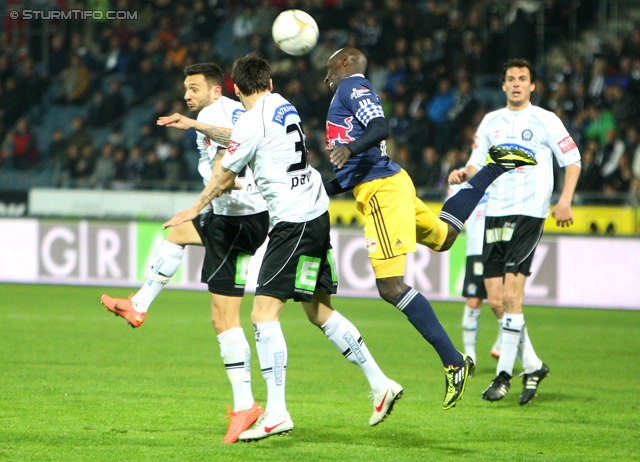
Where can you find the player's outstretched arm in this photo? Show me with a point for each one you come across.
(218, 134)
(210, 192)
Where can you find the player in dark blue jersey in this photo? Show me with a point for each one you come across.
(395, 219)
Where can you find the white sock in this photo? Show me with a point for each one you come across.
(527, 355)
(346, 338)
(167, 261)
(511, 337)
(497, 345)
(470, 324)
(236, 356)
(272, 352)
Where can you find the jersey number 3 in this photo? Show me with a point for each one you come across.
(300, 147)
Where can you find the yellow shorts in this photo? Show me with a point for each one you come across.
(395, 219)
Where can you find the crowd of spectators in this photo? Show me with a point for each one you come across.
(436, 65)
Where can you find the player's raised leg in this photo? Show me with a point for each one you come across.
(457, 209)
(134, 309)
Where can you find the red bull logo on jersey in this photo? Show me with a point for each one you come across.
(372, 245)
(339, 133)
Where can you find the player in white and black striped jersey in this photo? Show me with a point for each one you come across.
(518, 205)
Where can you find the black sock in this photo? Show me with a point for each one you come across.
(420, 313)
(459, 207)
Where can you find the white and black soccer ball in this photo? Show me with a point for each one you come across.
(295, 32)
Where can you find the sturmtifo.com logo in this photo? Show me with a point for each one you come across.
(74, 14)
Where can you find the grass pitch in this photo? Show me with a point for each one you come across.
(77, 384)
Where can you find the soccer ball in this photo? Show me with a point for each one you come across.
(295, 32)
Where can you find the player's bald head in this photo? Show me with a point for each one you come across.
(344, 63)
(350, 58)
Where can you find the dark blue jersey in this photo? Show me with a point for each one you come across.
(352, 107)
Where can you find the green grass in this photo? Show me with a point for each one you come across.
(76, 384)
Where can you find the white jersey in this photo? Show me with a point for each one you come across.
(475, 223)
(269, 138)
(224, 112)
(525, 190)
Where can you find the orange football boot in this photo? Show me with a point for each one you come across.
(239, 421)
(124, 308)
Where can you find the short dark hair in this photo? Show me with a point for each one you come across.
(251, 74)
(518, 62)
(212, 72)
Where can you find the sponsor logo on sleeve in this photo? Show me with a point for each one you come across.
(235, 115)
(358, 92)
(281, 113)
(233, 145)
(567, 144)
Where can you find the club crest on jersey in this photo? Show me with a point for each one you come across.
(281, 113)
(233, 145)
(358, 92)
(372, 245)
(235, 115)
(527, 135)
(567, 144)
(339, 133)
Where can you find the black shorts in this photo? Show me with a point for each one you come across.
(229, 242)
(474, 279)
(298, 261)
(509, 244)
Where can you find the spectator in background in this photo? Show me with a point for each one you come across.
(590, 181)
(11, 105)
(134, 55)
(58, 56)
(419, 133)
(399, 123)
(134, 165)
(57, 145)
(120, 162)
(437, 110)
(153, 171)
(69, 166)
(114, 104)
(76, 81)
(462, 111)
(145, 82)
(31, 85)
(85, 165)
(25, 147)
(116, 58)
(174, 168)
(610, 154)
(599, 122)
(79, 135)
(427, 175)
(105, 168)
